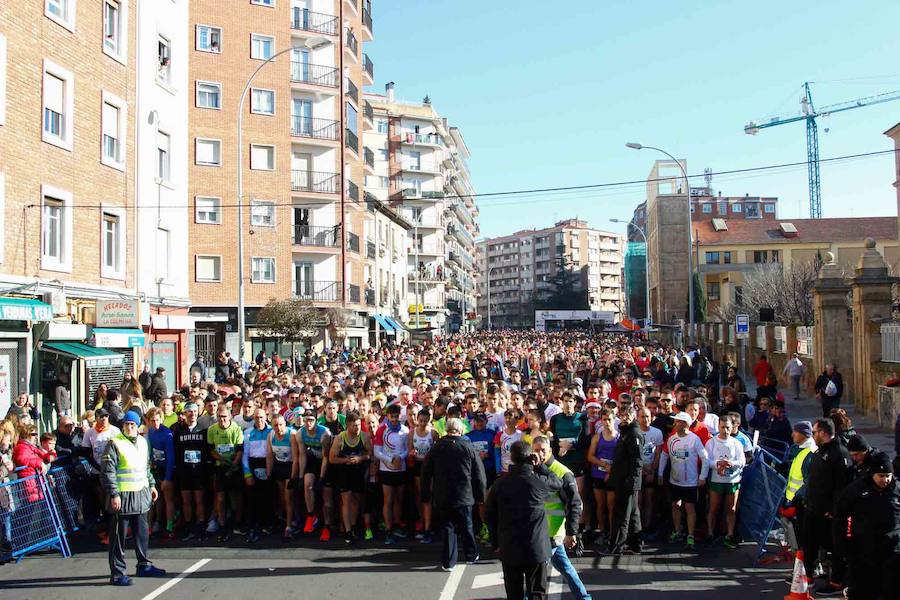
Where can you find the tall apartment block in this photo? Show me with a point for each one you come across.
(302, 163)
(514, 270)
(421, 169)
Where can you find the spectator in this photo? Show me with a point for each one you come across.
(199, 367)
(761, 370)
(157, 390)
(22, 408)
(778, 426)
(734, 381)
(68, 439)
(796, 373)
(829, 389)
(843, 425)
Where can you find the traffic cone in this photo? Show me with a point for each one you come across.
(799, 581)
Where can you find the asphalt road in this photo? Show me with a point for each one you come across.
(373, 571)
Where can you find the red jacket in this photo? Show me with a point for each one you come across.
(32, 458)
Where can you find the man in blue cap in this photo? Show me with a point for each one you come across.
(129, 487)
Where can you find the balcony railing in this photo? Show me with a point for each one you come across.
(368, 66)
(353, 192)
(352, 91)
(353, 293)
(351, 140)
(351, 41)
(367, 20)
(370, 249)
(368, 111)
(320, 129)
(369, 157)
(352, 242)
(315, 181)
(307, 20)
(302, 72)
(370, 297)
(308, 235)
(317, 291)
(422, 138)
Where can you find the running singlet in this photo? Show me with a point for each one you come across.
(191, 449)
(604, 451)
(503, 442)
(422, 445)
(225, 441)
(313, 441)
(281, 449)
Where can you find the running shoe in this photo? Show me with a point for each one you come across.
(427, 538)
(311, 523)
(473, 560)
(288, 534)
(730, 543)
(675, 537)
(168, 536)
(188, 535)
(389, 539)
(224, 535)
(689, 542)
(349, 538)
(213, 526)
(149, 571)
(252, 537)
(238, 531)
(369, 536)
(400, 533)
(267, 530)
(326, 535)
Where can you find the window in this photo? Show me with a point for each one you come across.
(739, 295)
(163, 156)
(164, 58)
(262, 102)
(209, 95)
(384, 182)
(113, 117)
(208, 152)
(723, 207)
(262, 213)
(736, 207)
(56, 229)
(207, 210)
(263, 2)
(726, 257)
(209, 39)
(262, 47)
(58, 105)
(382, 125)
(112, 244)
(383, 154)
(760, 256)
(752, 211)
(769, 208)
(163, 243)
(62, 12)
(262, 157)
(415, 161)
(208, 268)
(712, 258)
(776, 256)
(114, 28)
(707, 207)
(351, 119)
(712, 290)
(262, 270)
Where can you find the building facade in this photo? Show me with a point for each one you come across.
(515, 271)
(421, 169)
(302, 166)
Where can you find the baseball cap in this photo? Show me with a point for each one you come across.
(101, 412)
(686, 418)
(593, 405)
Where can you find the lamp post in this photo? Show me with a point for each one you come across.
(648, 313)
(690, 223)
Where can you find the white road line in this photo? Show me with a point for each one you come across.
(449, 591)
(159, 591)
(555, 589)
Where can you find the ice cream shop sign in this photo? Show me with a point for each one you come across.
(119, 313)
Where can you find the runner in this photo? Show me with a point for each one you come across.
(690, 468)
(726, 457)
(162, 458)
(653, 441)
(313, 440)
(283, 468)
(191, 458)
(391, 449)
(504, 440)
(256, 445)
(226, 443)
(421, 439)
(350, 454)
(600, 455)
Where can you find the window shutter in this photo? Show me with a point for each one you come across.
(53, 92)
(110, 120)
(206, 267)
(259, 157)
(206, 152)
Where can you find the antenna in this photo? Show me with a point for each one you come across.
(707, 177)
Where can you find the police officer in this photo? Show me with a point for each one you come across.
(129, 487)
(867, 526)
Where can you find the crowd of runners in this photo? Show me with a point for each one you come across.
(332, 445)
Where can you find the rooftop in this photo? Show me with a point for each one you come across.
(809, 231)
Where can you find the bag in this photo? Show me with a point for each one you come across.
(831, 389)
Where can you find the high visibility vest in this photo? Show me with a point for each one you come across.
(554, 506)
(795, 476)
(131, 472)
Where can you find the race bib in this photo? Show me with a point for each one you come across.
(192, 457)
(224, 449)
(281, 453)
(159, 455)
(604, 465)
(480, 446)
(260, 474)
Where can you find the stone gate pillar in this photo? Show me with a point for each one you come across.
(833, 330)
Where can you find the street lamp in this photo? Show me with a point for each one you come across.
(690, 220)
(648, 316)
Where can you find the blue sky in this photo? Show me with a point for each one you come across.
(547, 94)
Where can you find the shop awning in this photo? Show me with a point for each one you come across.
(394, 324)
(383, 321)
(94, 357)
(24, 309)
(118, 338)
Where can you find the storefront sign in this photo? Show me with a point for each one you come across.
(118, 338)
(119, 313)
(19, 309)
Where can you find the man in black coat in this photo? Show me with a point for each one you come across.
(625, 477)
(829, 396)
(870, 510)
(517, 521)
(453, 480)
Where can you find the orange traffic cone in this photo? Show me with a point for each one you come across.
(799, 581)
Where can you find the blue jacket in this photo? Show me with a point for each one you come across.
(162, 451)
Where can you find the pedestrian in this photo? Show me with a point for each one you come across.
(127, 480)
(869, 509)
(563, 513)
(829, 389)
(761, 370)
(157, 390)
(517, 521)
(625, 477)
(796, 373)
(453, 480)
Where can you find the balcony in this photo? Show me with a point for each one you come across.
(369, 113)
(303, 19)
(369, 68)
(319, 129)
(426, 275)
(370, 200)
(353, 293)
(421, 139)
(308, 235)
(454, 258)
(367, 22)
(352, 91)
(351, 44)
(315, 181)
(369, 157)
(317, 291)
(353, 193)
(351, 141)
(370, 250)
(370, 297)
(352, 242)
(320, 75)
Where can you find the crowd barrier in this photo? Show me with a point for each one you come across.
(762, 490)
(30, 517)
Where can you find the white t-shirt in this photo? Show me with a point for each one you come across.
(690, 463)
(711, 421)
(729, 449)
(551, 410)
(653, 439)
(97, 442)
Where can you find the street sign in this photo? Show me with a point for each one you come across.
(742, 326)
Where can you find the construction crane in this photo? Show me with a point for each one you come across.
(809, 113)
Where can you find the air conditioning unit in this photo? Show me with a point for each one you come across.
(57, 300)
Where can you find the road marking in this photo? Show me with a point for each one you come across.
(487, 580)
(159, 591)
(449, 591)
(555, 589)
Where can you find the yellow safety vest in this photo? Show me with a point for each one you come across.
(795, 476)
(554, 506)
(131, 472)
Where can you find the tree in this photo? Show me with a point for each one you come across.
(338, 319)
(786, 290)
(699, 300)
(565, 291)
(290, 319)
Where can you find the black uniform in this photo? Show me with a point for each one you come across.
(871, 515)
(625, 478)
(191, 456)
(829, 472)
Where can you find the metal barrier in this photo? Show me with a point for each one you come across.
(29, 517)
(776, 448)
(762, 490)
(68, 485)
